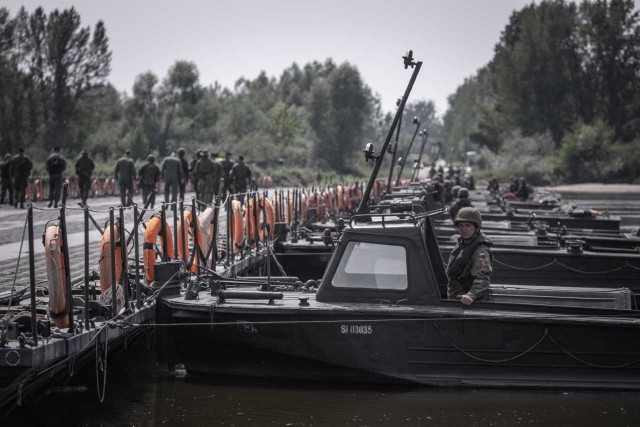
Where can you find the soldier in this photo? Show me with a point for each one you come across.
(84, 169)
(194, 178)
(149, 175)
(226, 164)
(462, 201)
(125, 172)
(55, 165)
(469, 266)
(240, 175)
(493, 186)
(439, 192)
(523, 190)
(5, 174)
(21, 166)
(185, 172)
(173, 175)
(207, 173)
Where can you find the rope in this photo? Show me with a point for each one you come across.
(100, 366)
(509, 359)
(593, 365)
(575, 270)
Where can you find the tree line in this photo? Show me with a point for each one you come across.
(560, 100)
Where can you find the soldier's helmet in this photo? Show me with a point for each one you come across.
(181, 152)
(469, 214)
(454, 190)
(150, 158)
(463, 193)
(7, 156)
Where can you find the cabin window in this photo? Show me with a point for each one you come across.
(372, 266)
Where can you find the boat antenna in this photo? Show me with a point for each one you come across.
(416, 167)
(416, 121)
(363, 208)
(395, 149)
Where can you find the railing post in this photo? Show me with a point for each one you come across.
(125, 262)
(112, 249)
(32, 275)
(136, 252)
(65, 256)
(86, 267)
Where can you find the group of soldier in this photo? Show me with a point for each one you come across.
(210, 176)
(15, 171)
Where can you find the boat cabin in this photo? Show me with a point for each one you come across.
(395, 259)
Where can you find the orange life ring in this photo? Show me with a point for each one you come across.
(37, 190)
(237, 231)
(270, 214)
(104, 262)
(251, 225)
(340, 197)
(322, 205)
(56, 276)
(289, 209)
(187, 225)
(151, 235)
(303, 208)
(106, 187)
(205, 225)
(95, 188)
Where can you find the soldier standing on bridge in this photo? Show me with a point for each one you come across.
(84, 169)
(185, 172)
(125, 172)
(149, 175)
(5, 174)
(21, 166)
(207, 173)
(227, 165)
(173, 175)
(55, 165)
(241, 177)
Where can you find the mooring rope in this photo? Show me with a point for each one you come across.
(556, 262)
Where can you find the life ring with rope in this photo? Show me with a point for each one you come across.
(56, 276)
(154, 232)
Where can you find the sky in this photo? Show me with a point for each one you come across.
(229, 39)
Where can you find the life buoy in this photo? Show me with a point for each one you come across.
(322, 205)
(112, 187)
(270, 214)
(205, 225)
(340, 197)
(252, 223)
(106, 187)
(37, 190)
(237, 231)
(151, 235)
(56, 276)
(303, 208)
(104, 265)
(95, 188)
(186, 237)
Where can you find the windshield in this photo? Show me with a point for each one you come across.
(372, 266)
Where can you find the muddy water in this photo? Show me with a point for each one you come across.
(141, 392)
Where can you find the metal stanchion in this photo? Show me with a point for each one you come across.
(65, 256)
(86, 267)
(123, 255)
(32, 275)
(112, 249)
(136, 252)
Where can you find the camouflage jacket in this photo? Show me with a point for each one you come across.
(469, 267)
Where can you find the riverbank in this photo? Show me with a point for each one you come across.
(596, 191)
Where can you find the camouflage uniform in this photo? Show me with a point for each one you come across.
(240, 175)
(149, 175)
(84, 169)
(469, 267)
(172, 174)
(227, 165)
(125, 172)
(56, 165)
(207, 174)
(5, 174)
(21, 166)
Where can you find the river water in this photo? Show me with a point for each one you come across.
(141, 392)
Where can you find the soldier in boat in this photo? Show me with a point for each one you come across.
(462, 201)
(469, 266)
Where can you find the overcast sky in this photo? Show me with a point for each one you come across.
(230, 39)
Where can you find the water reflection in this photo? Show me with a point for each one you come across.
(141, 392)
